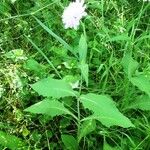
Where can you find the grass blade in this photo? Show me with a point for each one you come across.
(41, 52)
(67, 46)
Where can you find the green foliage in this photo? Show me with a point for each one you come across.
(69, 142)
(11, 141)
(142, 82)
(142, 102)
(123, 37)
(4, 8)
(58, 38)
(104, 110)
(129, 65)
(16, 55)
(33, 66)
(52, 71)
(84, 71)
(53, 88)
(48, 107)
(108, 147)
(86, 128)
(82, 48)
(42, 53)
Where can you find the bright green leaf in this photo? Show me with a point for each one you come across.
(53, 88)
(48, 107)
(129, 65)
(33, 65)
(142, 82)
(10, 141)
(82, 48)
(84, 71)
(86, 127)
(104, 110)
(69, 142)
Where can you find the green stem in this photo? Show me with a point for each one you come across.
(29, 14)
(78, 108)
(141, 142)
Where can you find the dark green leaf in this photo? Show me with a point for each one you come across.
(106, 146)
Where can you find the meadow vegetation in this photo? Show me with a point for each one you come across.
(75, 89)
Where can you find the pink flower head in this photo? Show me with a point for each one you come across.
(73, 14)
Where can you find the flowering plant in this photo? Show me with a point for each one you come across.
(73, 14)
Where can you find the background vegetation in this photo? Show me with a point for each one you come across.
(108, 56)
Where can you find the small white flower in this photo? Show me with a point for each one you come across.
(73, 14)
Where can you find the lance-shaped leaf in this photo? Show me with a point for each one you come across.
(53, 88)
(104, 110)
(82, 48)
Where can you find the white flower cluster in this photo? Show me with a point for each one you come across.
(73, 14)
